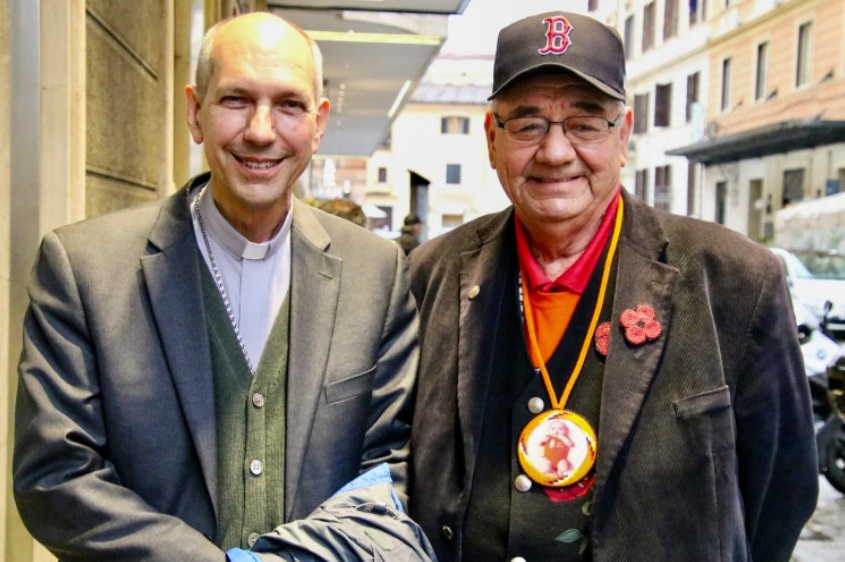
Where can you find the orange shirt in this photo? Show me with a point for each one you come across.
(554, 301)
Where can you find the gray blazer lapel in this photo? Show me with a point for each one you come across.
(482, 280)
(642, 279)
(315, 289)
(172, 276)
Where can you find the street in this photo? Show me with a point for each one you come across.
(823, 538)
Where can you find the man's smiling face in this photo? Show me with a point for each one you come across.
(555, 179)
(259, 120)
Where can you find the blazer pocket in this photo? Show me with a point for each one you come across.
(350, 386)
(707, 402)
(707, 421)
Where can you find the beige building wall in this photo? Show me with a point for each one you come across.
(129, 53)
(418, 145)
(755, 186)
(780, 29)
(87, 93)
(5, 272)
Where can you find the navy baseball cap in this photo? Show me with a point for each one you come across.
(579, 44)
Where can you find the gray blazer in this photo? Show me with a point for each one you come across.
(115, 427)
(705, 443)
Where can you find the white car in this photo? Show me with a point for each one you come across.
(817, 276)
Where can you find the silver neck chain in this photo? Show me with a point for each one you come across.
(218, 280)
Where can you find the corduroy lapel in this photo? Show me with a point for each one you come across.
(482, 287)
(642, 278)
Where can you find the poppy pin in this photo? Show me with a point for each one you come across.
(640, 325)
(602, 338)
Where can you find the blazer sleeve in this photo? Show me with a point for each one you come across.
(389, 425)
(68, 494)
(776, 442)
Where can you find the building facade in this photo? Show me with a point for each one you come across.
(739, 105)
(436, 165)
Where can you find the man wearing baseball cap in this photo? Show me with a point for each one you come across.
(599, 380)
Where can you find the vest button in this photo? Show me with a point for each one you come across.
(256, 467)
(536, 405)
(447, 532)
(522, 483)
(258, 400)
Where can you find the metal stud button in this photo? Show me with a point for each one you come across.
(522, 483)
(536, 405)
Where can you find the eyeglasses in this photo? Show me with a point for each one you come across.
(579, 129)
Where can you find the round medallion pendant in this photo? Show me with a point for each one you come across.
(557, 448)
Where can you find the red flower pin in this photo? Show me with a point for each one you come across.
(640, 325)
(603, 338)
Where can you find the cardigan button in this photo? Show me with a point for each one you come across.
(518, 559)
(473, 292)
(253, 537)
(256, 467)
(258, 400)
(447, 532)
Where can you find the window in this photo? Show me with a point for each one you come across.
(793, 186)
(662, 105)
(382, 174)
(663, 187)
(640, 113)
(629, 37)
(697, 9)
(648, 27)
(802, 71)
(762, 71)
(670, 19)
(726, 84)
(641, 184)
(692, 94)
(453, 173)
(448, 222)
(721, 201)
(454, 125)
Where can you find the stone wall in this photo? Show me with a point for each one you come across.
(128, 62)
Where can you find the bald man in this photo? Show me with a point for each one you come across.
(198, 371)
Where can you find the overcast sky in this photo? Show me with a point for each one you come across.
(474, 32)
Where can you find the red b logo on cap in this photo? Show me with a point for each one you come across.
(557, 35)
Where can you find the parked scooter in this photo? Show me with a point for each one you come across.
(830, 414)
(819, 349)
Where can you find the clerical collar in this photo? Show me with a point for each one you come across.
(575, 278)
(233, 241)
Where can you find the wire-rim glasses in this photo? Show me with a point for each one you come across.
(579, 129)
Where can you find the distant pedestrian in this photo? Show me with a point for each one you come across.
(346, 209)
(410, 237)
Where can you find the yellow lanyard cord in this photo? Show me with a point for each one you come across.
(531, 329)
